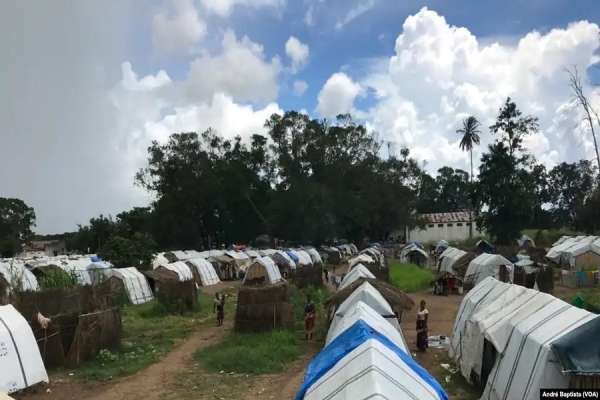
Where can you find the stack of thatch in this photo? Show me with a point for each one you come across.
(306, 275)
(396, 298)
(264, 308)
(83, 322)
(177, 297)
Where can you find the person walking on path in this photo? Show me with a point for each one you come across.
(422, 318)
(218, 304)
(309, 318)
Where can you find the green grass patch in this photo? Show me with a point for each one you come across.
(409, 278)
(149, 333)
(255, 354)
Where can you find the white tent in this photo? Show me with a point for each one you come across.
(556, 251)
(374, 302)
(570, 254)
(184, 273)
(242, 260)
(207, 273)
(361, 258)
(353, 248)
(366, 358)
(307, 258)
(486, 265)
(359, 271)
(561, 240)
(449, 257)
(98, 271)
(521, 324)
(524, 240)
(21, 364)
(252, 253)
(16, 274)
(263, 267)
(159, 260)
(78, 269)
(316, 257)
(303, 258)
(287, 258)
(136, 285)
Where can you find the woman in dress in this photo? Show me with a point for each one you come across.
(422, 317)
(309, 318)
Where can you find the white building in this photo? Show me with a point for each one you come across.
(446, 226)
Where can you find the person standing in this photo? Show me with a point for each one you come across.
(326, 275)
(218, 307)
(309, 318)
(422, 318)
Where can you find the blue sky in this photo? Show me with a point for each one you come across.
(371, 35)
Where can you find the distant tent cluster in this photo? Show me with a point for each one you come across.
(512, 341)
(365, 354)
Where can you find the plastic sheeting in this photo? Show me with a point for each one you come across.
(287, 258)
(362, 363)
(557, 250)
(305, 258)
(570, 254)
(449, 257)
(376, 314)
(159, 260)
(136, 285)
(314, 255)
(272, 271)
(16, 273)
(21, 365)
(208, 275)
(361, 258)
(579, 350)
(359, 271)
(184, 273)
(488, 265)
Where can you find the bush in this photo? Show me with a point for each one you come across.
(256, 353)
(409, 278)
(59, 278)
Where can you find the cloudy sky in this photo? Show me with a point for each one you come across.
(87, 84)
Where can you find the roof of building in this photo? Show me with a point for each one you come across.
(447, 217)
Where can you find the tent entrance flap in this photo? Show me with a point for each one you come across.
(579, 350)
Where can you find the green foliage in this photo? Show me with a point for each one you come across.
(17, 221)
(135, 252)
(409, 278)
(148, 335)
(256, 354)
(59, 278)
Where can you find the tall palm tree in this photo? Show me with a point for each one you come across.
(470, 137)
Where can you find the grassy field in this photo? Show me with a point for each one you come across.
(409, 278)
(148, 335)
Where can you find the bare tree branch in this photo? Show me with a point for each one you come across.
(590, 114)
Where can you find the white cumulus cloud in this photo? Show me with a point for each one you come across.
(337, 96)
(298, 52)
(300, 87)
(178, 28)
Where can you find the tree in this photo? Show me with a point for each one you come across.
(470, 137)
(138, 251)
(505, 177)
(590, 114)
(17, 221)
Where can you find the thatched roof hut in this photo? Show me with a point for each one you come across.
(461, 265)
(395, 297)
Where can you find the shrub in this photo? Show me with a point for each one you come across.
(409, 278)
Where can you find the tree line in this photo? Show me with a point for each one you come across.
(312, 181)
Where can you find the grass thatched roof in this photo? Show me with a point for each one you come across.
(394, 296)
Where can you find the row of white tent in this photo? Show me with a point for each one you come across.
(483, 266)
(523, 328)
(366, 356)
(566, 250)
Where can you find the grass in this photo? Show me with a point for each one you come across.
(409, 278)
(148, 335)
(252, 354)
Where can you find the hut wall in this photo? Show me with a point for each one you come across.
(195, 273)
(263, 309)
(306, 276)
(177, 297)
(587, 260)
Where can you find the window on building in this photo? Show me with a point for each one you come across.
(430, 225)
(459, 224)
(450, 225)
(468, 224)
(440, 225)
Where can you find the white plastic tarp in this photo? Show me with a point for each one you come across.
(303, 259)
(486, 265)
(556, 252)
(314, 255)
(136, 285)
(252, 253)
(570, 254)
(180, 255)
(371, 371)
(272, 271)
(528, 363)
(159, 260)
(184, 273)
(307, 258)
(287, 258)
(359, 271)
(360, 310)
(98, 271)
(208, 275)
(449, 257)
(17, 274)
(368, 296)
(21, 364)
(361, 258)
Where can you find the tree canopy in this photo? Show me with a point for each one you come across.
(311, 181)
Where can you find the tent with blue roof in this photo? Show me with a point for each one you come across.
(367, 362)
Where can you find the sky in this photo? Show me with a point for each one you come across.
(87, 85)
